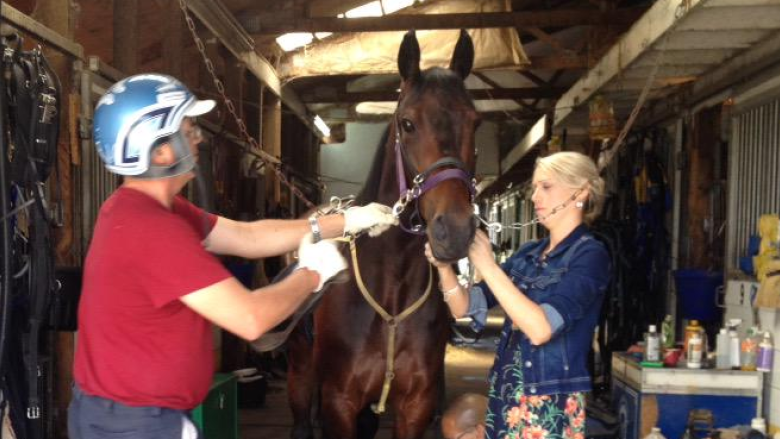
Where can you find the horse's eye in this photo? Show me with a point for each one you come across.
(407, 125)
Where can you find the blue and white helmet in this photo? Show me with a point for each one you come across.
(139, 113)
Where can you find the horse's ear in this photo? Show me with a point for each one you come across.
(409, 58)
(463, 57)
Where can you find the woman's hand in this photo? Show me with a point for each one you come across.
(481, 251)
(432, 259)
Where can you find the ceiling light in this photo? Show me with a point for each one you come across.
(322, 126)
(391, 6)
(294, 40)
(373, 9)
(376, 107)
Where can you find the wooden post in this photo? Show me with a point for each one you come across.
(57, 15)
(701, 178)
(125, 35)
(272, 144)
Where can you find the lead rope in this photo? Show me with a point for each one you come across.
(392, 323)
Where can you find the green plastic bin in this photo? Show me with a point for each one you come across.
(217, 416)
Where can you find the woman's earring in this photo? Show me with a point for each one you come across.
(579, 204)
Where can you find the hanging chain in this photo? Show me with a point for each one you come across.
(254, 145)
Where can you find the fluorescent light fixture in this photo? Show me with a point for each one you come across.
(382, 108)
(322, 126)
(323, 35)
(294, 40)
(396, 5)
(372, 9)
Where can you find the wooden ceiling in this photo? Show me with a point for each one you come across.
(562, 38)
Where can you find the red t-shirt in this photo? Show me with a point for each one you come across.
(138, 344)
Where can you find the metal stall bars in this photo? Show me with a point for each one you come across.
(754, 175)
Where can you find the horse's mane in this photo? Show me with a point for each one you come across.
(370, 191)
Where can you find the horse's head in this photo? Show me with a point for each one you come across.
(434, 127)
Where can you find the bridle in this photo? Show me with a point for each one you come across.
(450, 168)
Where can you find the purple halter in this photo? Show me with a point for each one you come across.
(425, 181)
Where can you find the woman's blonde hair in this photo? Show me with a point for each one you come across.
(577, 170)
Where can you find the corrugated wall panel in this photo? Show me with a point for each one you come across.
(754, 175)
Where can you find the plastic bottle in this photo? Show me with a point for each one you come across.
(722, 345)
(749, 350)
(734, 343)
(655, 433)
(766, 354)
(758, 424)
(695, 351)
(692, 328)
(667, 332)
(652, 345)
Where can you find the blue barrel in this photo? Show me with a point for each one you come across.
(696, 291)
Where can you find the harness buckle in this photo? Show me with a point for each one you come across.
(33, 412)
(398, 208)
(49, 108)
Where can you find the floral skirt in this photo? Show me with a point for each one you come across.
(514, 415)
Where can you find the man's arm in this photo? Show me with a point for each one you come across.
(249, 314)
(267, 237)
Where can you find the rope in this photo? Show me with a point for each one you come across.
(392, 322)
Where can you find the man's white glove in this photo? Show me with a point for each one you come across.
(374, 217)
(323, 257)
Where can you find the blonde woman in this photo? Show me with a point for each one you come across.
(551, 291)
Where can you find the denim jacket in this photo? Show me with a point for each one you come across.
(569, 286)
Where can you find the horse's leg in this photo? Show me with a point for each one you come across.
(340, 407)
(414, 413)
(301, 383)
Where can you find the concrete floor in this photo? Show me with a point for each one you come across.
(466, 369)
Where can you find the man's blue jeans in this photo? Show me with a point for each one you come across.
(93, 417)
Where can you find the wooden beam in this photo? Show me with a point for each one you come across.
(549, 39)
(260, 24)
(387, 96)
(533, 78)
(19, 20)
(559, 62)
(493, 84)
(646, 32)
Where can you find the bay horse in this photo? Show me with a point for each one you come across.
(425, 168)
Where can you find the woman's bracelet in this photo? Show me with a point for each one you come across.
(446, 295)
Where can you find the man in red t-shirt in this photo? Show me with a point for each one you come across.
(152, 286)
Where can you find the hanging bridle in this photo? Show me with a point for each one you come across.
(454, 169)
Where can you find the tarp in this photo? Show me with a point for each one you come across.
(377, 52)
